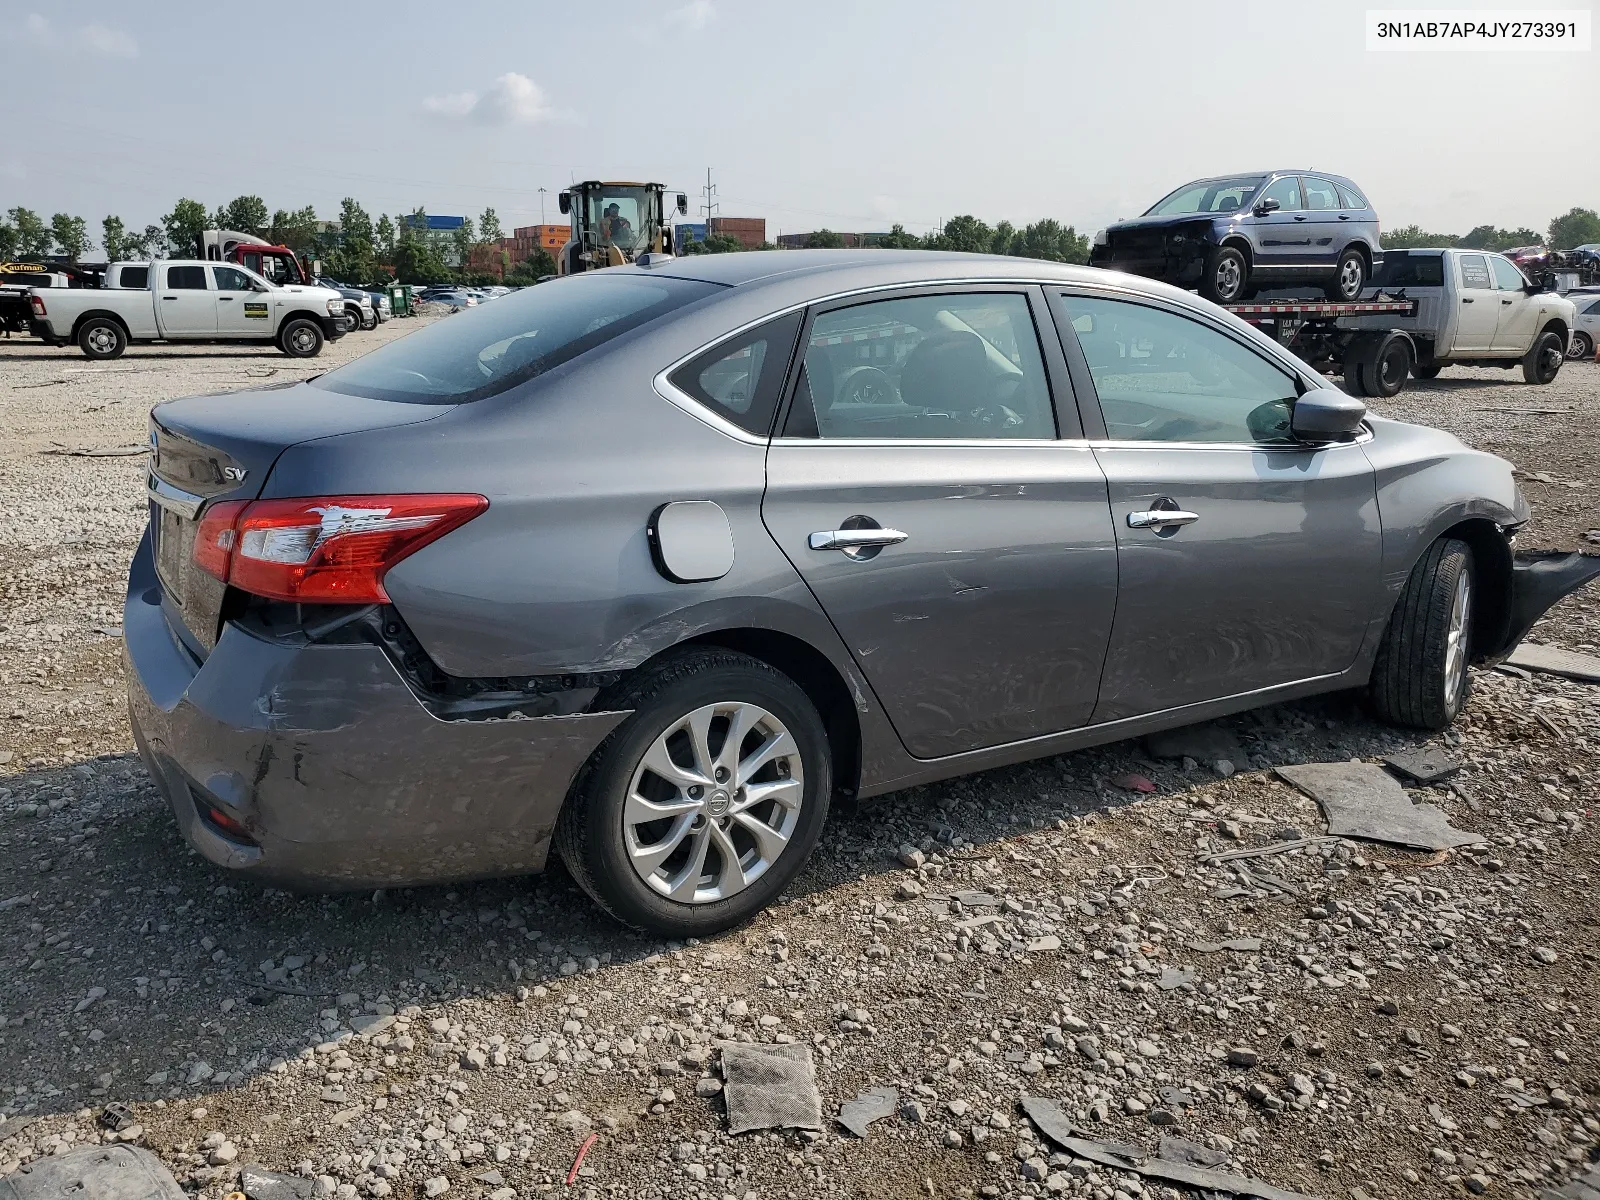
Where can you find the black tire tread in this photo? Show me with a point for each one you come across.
(1407, 677)
(636, 693)
(1530, 360)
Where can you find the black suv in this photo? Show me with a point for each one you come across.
(1237, 234)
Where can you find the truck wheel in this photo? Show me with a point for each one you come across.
(301, 338)
(1420, 677)
(1377, 364)
(1543, 360)
(1349, 277)
(1581, 346)
(101, 337)
(1227, 276)
(1425, 372)
(369, 321)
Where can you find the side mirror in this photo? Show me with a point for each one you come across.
(1263, 207)
(1326, 414)
(683, 204)
(257, 287)
(564, 202)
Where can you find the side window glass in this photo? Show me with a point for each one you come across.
(231, 279)
(952, 367)
(740, 379)
(1474, 272)
(1320, 194)
(1593, 309)
(1286, 192)
(1351, 197)
(187, 278)
(1165, 378)
(1506, 275)
(135, 277)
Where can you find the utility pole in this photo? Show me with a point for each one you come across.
(710, 206)
(541, 205)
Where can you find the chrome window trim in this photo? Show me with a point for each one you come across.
(185, 504)
(1279, 447)
(970, 443)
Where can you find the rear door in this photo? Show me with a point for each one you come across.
(962, 550)
(1477, 305)
(1246, 560)
(1326, 220)
(1518, 312)
(185, 302)
(241, 310)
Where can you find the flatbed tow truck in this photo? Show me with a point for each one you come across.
(1374, 362)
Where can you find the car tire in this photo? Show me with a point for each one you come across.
(1581, 346)
(1377, 364)
(1227, 277)
(369, 321)
(604, 843)
(1349, 277)
(1426, 371)
(301, 338)
(101, 338)
(1420, 678)
(1542, 362)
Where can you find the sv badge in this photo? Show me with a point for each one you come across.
(234, 474)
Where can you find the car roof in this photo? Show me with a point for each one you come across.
(833, 269)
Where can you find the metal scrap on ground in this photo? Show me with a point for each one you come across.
(93, 1173)
(1362, 800)
(1058, 1127)
(1551, 660)
(871, 1105)
(769, 1087)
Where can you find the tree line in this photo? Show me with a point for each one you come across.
(1578, 227)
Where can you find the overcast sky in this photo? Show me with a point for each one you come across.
(846, 114)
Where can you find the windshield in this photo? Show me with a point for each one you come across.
(484, 350)
(1410, 270)
(619, 215)
(1208, 196)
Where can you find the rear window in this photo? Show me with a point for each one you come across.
(482, 351)
(135, 277)
(1410, 270)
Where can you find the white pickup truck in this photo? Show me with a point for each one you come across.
(1473, 309)
(186, 301)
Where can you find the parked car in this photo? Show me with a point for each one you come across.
(1586, 325)
(172, 300)
(456, 300)
(1474, 309)
(360, 312)
(1528, 257)
(597, 567)
(1236, 234)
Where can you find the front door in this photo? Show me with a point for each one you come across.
(1477, 306)
(1281, 238)
(964, 554)
(186, 303)
(241, 310)
(1246, 560)
(1518, 312)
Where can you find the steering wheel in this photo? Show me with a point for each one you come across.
(866, 385)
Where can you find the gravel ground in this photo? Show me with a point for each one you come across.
(1342, 1019)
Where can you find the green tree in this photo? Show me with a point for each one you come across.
(1412, 237)
(352, 258)
(383, 239)
(898, 239)
(152, 243)
(1050, 239)
(296, 230)
(463, 240)
(535, 267)
(8, 241)
(416, 261)
(246, 214)
(721, 243)
(964, 233)
(1488, 237)
(33, 235)
(114, 239)
(183, 227)
(824, 239)
(489, 226)
(71, 234)
(1580, 227)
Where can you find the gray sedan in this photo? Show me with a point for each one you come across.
(652, 564)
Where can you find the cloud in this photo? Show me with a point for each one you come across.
(512, 99)
(96, 38)
(691, 17)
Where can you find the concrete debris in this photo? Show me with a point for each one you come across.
(1055, 1125)
(258, 1183)
(769, 1087)
(1550, 660)
(871, 1105)
(93, 1173)
(1238, 945)
(1362, 800)
(1425, 764)
(1181, 1150)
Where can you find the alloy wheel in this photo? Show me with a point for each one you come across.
(1455, 648)
(1350, 278)
(713, 803)
(1580, 347)
(1228, 278)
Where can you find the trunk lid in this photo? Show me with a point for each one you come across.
(206, 449)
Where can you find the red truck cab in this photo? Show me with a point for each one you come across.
(276, 263)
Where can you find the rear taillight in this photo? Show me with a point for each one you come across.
(38, 305)
(323, 549)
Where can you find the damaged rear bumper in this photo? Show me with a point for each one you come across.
(1538, 579)
(316, 767)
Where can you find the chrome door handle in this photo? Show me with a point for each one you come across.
(854, 539)
(1160, 518)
